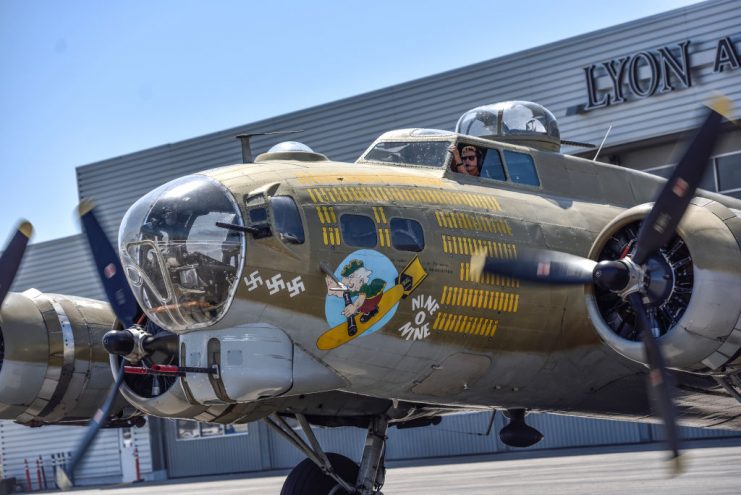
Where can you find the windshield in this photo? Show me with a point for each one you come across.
(425, 153)
(181, 264)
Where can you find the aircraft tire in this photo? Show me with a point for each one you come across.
(307, 479)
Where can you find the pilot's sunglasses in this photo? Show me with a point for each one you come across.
(469, 157)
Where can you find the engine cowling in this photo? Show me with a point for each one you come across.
(263, 363)
(162, 396)
(695, 296)
(53, 367)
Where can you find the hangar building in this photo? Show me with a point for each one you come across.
(644, 80)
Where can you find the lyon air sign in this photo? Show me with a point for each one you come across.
(649, 72)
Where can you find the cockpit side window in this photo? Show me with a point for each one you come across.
(521, 168)
(287, 219)
(258, 215)
(493, 167)
(358, 230)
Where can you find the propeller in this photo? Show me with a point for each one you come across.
(109, 267)
(12, 255)
(127, 311)
(629, 277)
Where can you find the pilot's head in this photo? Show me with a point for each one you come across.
(470, 157)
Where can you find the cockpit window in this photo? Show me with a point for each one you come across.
(426, 153)
(258, 215)
(180, 257)
(521, 168)
(493, 167)
(287, 219)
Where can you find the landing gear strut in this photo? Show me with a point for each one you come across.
(372, 472)
(329, 473)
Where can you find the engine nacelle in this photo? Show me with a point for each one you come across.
(162, 396)
(697, 301)
(53, 367)
(255, 361)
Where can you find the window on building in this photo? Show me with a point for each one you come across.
(193, 430)
(729, 173)
(358, 230)
(521, 168)
(287, 219)
(493, 167)
(407, 234)
(707, 183)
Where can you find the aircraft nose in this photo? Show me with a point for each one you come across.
(182, 264)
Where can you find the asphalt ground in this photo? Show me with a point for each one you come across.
(713, 468)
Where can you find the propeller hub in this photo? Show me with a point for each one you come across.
(659, 280)
(622, 276)
(612, 275)
(119, 342)
(128, 343)
(636, 278)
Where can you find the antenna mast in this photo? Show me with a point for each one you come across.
(602, 143)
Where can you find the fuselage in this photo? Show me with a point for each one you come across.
(413, 323)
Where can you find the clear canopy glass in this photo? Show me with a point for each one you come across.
(424, 153)
(509, 118)
(290, 146)
(180, 256)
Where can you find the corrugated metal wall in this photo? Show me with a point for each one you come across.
(61, 266)
(462, 434)
(101, 464)
(551, 75)
(215, 455)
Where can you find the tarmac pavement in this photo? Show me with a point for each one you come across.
(713, 469)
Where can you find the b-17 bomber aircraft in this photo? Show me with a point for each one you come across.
(441, 272)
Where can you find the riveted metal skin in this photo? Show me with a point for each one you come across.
(54, 368)
(501, 343)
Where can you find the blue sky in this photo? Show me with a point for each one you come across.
(81, 81)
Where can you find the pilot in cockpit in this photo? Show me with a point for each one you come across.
(467, 161)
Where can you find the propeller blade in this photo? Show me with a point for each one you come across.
(65, 477)
(537, 265)
(662, 220)
(109, 268)
(12, 255)
(659, 380)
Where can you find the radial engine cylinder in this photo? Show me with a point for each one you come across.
(695, 299)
